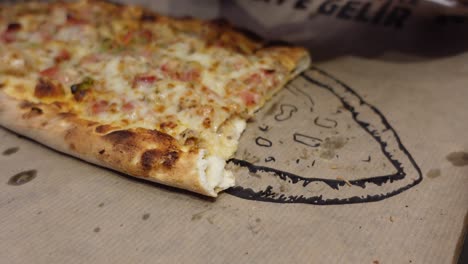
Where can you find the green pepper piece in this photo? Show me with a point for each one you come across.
(82, 86)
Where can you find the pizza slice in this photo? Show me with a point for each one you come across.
(155, 97)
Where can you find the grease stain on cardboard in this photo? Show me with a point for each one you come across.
(22, 178)
(198, 216)
(10, 151)
(145, 216)
(254, 225)
(458, 159)
(433, 173)
(210, 219)
(331, 144)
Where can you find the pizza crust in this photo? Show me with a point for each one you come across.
(142, 153)
(145, 152)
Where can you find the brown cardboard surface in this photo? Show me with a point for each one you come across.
(389, 184)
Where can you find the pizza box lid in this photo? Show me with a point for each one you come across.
(361, 159)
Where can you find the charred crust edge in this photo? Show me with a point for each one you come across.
(35, 111)
(119, 136)
(103, 129)
(153, 157)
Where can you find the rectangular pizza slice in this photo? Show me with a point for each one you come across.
(155, 97)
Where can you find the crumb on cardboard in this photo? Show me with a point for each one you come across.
(340, 178)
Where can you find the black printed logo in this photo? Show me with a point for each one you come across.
(318, 142)
(388, 13)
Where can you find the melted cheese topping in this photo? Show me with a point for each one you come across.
(109, 65)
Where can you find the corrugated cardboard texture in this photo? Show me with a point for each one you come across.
(359, 160)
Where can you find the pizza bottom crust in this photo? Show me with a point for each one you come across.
(139, 152)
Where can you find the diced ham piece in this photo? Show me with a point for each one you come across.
(185, 75)
(165, 68)
(9, 35)
(13, 27)
(63, 55)
(254, 79)
(91, 58)
(99, 107)
(249, 97)
(75, 21)
(128, 107)
(143, 80)
(127, 38)
(51, 72)
(188, 76)
(268, 72)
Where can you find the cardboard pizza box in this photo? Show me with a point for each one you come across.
(361, 159)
